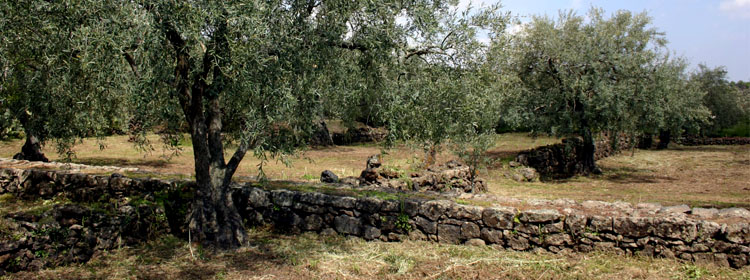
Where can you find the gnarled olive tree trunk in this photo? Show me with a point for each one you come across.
(32, 148)
(214, 220)
(588, 153)
(665, 136)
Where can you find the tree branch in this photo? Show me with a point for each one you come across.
(237, 157)
(131, 62)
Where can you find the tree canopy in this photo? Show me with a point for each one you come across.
(583, 75)
(258, 73)
(255, 76)
(60, 73)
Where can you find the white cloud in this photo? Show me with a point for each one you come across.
(736, 8)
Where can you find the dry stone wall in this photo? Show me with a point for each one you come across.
(698, 141)
(507, 227)
(565, 159)
(372, 218)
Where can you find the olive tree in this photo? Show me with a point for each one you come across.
(253, 76)
(723, 100)
(444, 90)
(673, 103)
(59, 70)
(582, 75)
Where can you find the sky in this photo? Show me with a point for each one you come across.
(712, 32)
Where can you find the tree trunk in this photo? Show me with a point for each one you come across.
(321, 135)
(645, 141)
(430, 155)
(215, 220)
(32, 149)
(589, 150)
(665, 136)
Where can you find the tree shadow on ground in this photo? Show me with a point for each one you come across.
(701, 148)
(620, 175)
(99, 161)
(631, 175)
(498, 158)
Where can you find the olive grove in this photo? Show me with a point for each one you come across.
(583, 75)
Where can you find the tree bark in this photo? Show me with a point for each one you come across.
(588, 153)
(214, 219)
(32, 148)
(645, 141)
(321, 135)
(665, 136)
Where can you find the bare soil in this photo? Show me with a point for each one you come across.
(716, 176)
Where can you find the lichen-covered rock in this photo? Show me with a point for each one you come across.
(492, 236)
(540, 216)
(426, 225)
(558, 239)
(327, 176)
(675, 228)
(469, 230)
(369, 204)
(464, 212)
(449, 234)
(434, 209)
(499, 217)
(600, 223)
(705, 213)
(576, 224)
(738, 233)
(282, 198)
(312, 223)
(347, 225)
(517, 242)
(371, 233)
(734, 213)
(342, 202)
(632, 226)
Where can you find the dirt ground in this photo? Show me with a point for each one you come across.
(717, 176)
(311, 256)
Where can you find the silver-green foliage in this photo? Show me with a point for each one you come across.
(585, 74)
(61, 71)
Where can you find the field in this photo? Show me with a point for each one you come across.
(310, 256)
(697, 176)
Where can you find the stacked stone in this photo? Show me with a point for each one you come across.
(565, 159)
(71, 233)
(45, 184)
(359, 135)
(669, 232)
(698, 141)
(547, 229)
(449, 177)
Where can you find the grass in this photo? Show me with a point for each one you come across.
(311, 256)
(697, 176)
(715, 175)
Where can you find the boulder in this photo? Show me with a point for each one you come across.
(373, 162)
(540, 216)
(328, 177)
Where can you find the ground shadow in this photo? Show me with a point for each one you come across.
(621, 175)
(98, 161)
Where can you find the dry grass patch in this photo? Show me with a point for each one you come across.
(310, 256)
(715, 176)
(698, 176)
